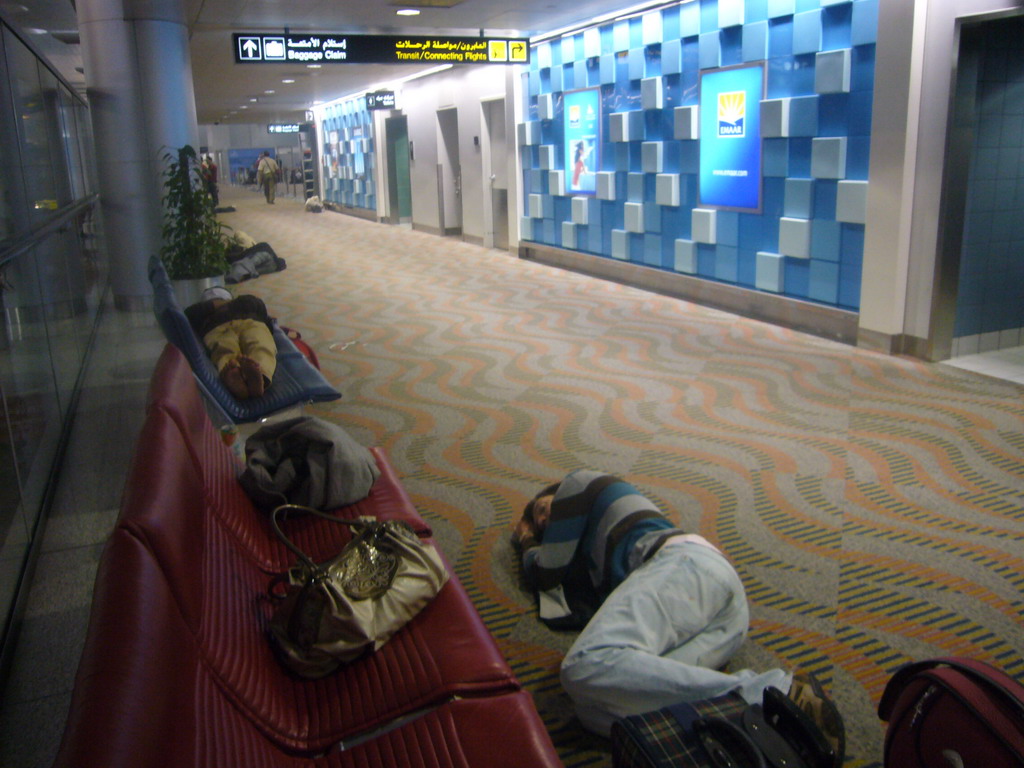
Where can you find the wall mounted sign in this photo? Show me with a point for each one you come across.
(730, 137)
(340, 48)
(380, 100)
(582, 140)
(283, 128)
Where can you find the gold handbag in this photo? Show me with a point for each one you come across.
(333, 612)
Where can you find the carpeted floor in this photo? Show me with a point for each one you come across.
(873, 505)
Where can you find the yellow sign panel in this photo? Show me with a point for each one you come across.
(518, 50)
(497, 50)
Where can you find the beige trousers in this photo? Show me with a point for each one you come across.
(248, 337)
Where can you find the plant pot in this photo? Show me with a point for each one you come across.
(188, 292)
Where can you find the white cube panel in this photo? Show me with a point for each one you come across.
(620, 244)
(546, 106)
(651, 93)
(526, 228)
(556, 183)
(730, 13)
(652, 156)
(634, 217)
(795, 238)
(775, 118)
(832, 71)
(529, 133)
(770, 272)
(687, 124)
(852, 202)
(686, 256)
(606, 185)
(536, 206)
(828, 158)
(568, 234)
(626, 126)
(705, 225)
(547, 157)
(580, 210)
(666, 189)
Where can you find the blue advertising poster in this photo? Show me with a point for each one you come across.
(582, 140)
(730, 137)
(242, 163)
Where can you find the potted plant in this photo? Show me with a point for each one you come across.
(193, 243)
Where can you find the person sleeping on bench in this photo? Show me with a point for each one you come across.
(238, 335)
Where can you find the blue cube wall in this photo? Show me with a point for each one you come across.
(816, 123)
(349, 156)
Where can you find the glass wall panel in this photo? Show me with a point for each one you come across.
(34, 134)
(12, 194)
(49, 294)
(69, 115)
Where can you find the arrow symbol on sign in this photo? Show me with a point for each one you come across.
(249, 48)
(517, 49)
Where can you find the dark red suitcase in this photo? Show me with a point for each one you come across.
(953, 713)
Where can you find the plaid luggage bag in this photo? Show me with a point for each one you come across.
(723, 732)
(952, 712)
(665, 738)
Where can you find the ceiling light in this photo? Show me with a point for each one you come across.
(408, 12)
(253, 100)
(314, 66)
(270, 91)
(288, 80)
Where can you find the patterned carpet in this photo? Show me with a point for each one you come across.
(873, 505)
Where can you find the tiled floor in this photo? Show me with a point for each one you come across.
(88, 493)
(1005, 364)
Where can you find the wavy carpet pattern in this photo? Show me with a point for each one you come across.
(873, 505)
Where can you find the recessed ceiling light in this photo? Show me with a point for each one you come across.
(270, 91)
(244, 106)
(289, 80)
(314, 66)
(253, 100)
(408, 12)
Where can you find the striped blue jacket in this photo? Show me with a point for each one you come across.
(596, 521)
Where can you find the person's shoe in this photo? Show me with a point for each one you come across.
(253, 376)
(809, 695)
(232, 378)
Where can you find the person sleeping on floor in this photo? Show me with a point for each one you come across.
(662, 610)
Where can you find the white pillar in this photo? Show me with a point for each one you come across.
(139, 84)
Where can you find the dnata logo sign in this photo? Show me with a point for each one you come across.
(574, 116)
(732, 114)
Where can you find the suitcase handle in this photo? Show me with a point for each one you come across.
(977, 669)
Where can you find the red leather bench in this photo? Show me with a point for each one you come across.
(177, 669)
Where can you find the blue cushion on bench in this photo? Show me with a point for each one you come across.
(295, 381)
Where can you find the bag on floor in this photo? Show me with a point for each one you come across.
(296, 338)
(723, 731)
(331, 613)
(951, 712)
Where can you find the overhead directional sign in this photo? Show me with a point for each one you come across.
(336, 48)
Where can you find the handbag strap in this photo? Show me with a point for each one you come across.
(285, 509)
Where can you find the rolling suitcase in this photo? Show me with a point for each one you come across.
(951, 713)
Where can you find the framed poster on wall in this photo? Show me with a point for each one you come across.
(730, 137)
(582, 140)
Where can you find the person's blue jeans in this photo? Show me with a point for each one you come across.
(660, 638)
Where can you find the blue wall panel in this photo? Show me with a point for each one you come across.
(678, 45)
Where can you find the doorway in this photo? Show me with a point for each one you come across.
(981, 291)
(449, 172)
(495, 165)
(396, 132)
